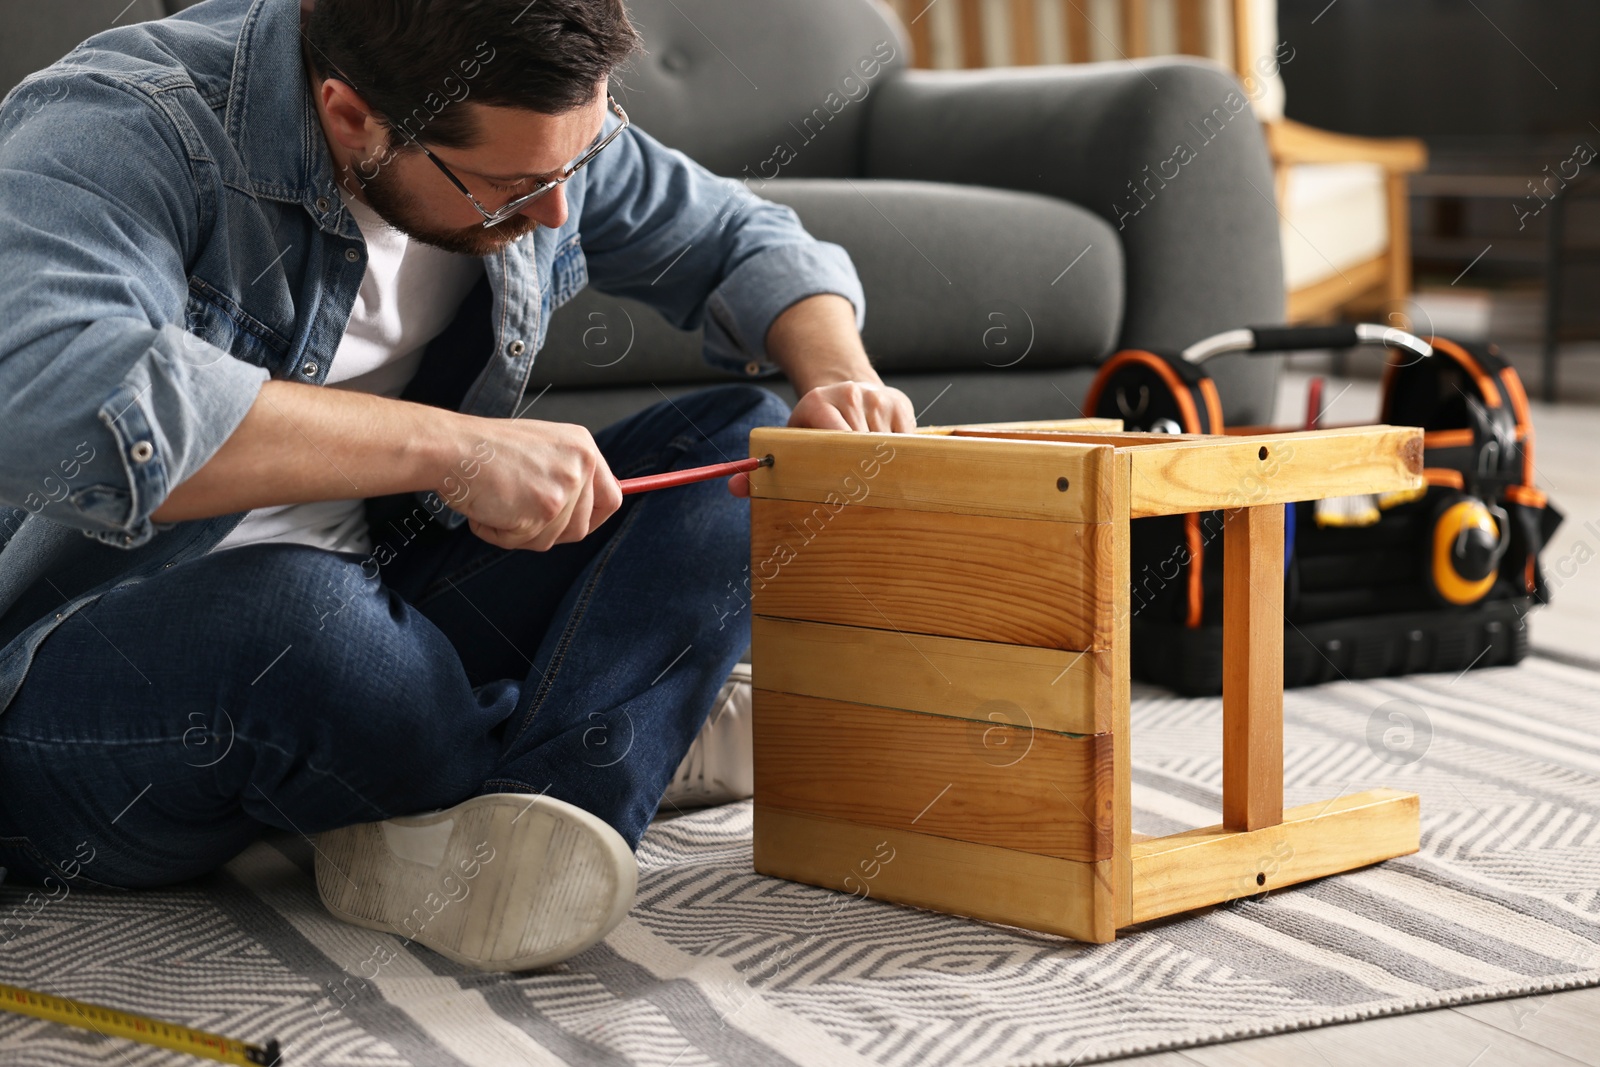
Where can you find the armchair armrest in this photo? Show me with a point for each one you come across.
(1293, 142)
(1167, 151)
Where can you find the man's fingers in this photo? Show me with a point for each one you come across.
(902, 419)
(739, 484)
(818, 416)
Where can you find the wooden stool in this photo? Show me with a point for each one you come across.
(941, 662)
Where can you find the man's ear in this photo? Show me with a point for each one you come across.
(351, 121)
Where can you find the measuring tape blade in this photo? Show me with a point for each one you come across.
(112, 1023)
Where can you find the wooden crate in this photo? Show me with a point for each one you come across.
(941, 667)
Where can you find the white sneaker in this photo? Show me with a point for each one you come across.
(720, 765)
(502, 882)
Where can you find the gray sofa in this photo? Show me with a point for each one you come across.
(1011, 227)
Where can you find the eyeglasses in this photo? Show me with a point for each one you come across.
(494, 218)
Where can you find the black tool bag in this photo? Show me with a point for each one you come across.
(1437, 580)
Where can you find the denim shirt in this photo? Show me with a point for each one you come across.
(171, 237)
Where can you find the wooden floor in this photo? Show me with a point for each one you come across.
(1554, 1029)
(1559, 1028)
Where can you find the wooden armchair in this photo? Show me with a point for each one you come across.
(1343, 199)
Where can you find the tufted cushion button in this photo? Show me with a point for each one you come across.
(675, 60)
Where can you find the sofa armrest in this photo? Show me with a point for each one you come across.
(1291, 142)
(1167, 151)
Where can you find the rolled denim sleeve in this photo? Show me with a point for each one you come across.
(106, 401)
(703, 250)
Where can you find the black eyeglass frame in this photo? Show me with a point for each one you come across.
(494, 218)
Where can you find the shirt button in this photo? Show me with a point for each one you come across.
(309, 369)
(141, 451)
(351, 254)
(516, 348)
(752, 368)
(322, 203)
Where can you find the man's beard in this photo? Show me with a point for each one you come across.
(397, 207)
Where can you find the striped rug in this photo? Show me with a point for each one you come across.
(716, 965)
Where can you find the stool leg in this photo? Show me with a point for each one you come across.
(1252, 668)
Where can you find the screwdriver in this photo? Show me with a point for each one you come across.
(693, 474)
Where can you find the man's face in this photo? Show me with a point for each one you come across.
(514, 151)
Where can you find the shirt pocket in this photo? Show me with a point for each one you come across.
(215, 320)
(569, 273)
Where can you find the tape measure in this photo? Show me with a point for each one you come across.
(112, 1023)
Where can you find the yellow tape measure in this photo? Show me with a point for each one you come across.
(112, 1023)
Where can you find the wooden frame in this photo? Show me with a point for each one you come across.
(941, 668)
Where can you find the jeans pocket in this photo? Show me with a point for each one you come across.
(25, 863)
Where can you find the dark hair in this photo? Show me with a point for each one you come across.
(413, 60)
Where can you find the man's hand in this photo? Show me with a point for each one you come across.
(816, 343)
(520, 483)
(868, 405)
(541, 484)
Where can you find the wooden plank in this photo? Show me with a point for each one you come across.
(1117, 440)
(1192, 27)
(1076, 24)
(956, 877)
(1399, 254)
(1290, 142)
(1244, 53)
(914, 14)
(1315, 302)
(1121, 576)
(1232, 472)
(1063, 425)
(1252, 668)
(1135, 29)
(1033, 791)
(970, 19)
(983, 680)
(1015, 581)
(1568, 1023)
(1214, 865)
(1021, 479)
(1024, 33)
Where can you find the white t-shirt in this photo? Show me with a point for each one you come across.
(408, 296)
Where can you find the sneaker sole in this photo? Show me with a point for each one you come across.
(511, 881)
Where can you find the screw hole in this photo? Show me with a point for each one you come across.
(1261, 879)
(1063, 484)
(1263, 452)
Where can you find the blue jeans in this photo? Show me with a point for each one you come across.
(164, 726)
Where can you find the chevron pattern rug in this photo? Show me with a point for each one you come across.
(717, 965)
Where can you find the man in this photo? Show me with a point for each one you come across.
(210, 220)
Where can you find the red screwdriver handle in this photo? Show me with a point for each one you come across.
(693, 474)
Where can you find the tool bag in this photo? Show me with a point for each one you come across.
(1440, 579)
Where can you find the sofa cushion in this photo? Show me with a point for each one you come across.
(958, 278)
(1335, 215)
(759, 90)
